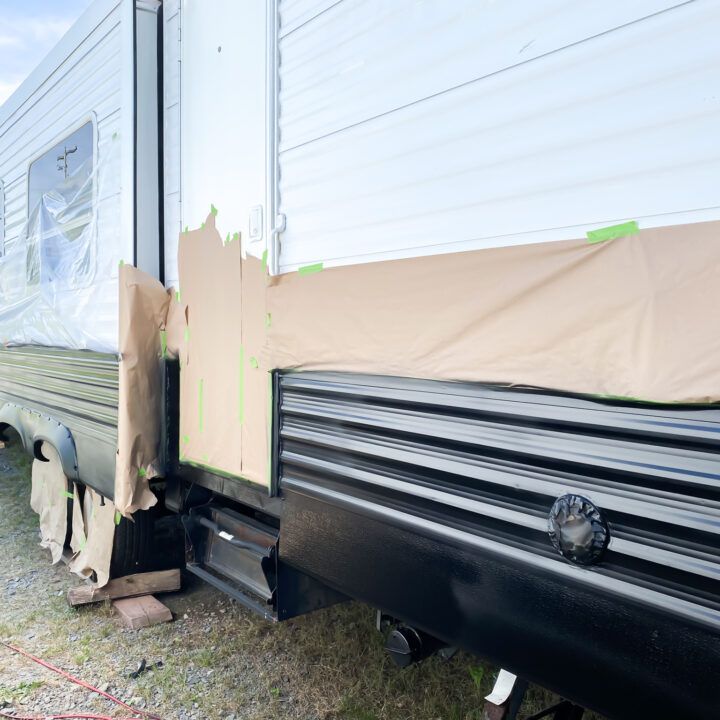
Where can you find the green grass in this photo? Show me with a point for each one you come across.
(19, 692)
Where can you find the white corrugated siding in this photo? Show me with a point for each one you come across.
(88, 83)
(422, 126)
(294, 14)
(171, 137)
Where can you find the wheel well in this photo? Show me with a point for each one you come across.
(34, 429)
(37, 451)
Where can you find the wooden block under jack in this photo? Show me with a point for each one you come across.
(141, 612)
(128, 586)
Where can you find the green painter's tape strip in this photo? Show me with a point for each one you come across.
(142, 473)
(83, 543)
(241, 386)
(187, 334)
(253, 362)
(213, 210)
(69, 495)
(178, 296)
(264, 259)
(310, 269)
(268, 320)
(118, 517)
(236, 236)
(227, 238)
(613, 232)
(201, 409)
(163, 344)
(185, 440)
(187, 229)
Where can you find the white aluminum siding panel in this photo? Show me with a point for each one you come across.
(223, 118)
(404, 133)
(363, 58)
(295, 13)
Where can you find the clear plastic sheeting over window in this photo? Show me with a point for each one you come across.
(58, 276)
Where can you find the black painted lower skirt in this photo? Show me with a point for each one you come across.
(606, 653)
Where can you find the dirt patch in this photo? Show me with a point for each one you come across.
(220, 662)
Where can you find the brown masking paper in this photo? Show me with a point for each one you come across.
(224, 370)
(49, 500)
(93, 525)
(93, 533)
(211, 353)
(143, 312)
(632, 317)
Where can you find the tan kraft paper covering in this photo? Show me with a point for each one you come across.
(633, 317)
(48, 498)
(223, 378)
(93, 533)
(93, 525)
(143, 312)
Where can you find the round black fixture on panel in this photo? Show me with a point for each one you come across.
(578, 530)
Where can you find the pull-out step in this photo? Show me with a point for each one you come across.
(235, 553)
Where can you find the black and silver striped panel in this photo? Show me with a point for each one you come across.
(483, 465)
(78, 389)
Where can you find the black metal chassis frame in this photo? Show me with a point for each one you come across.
(616, 657)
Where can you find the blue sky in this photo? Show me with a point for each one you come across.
(28, 30)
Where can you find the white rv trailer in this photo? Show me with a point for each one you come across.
(409, 217)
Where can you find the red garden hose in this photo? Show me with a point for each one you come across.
(138, 714)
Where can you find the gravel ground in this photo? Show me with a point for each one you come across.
(220, 662)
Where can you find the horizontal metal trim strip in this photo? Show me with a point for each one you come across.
(684, 466)
(76, 388)
(683, 512)
(647, 532)
(604, 583)
(53, 404)
(83, 358)
(680, 421)
(102, 379)
(622, 484)
(376, 446)
(632, 548)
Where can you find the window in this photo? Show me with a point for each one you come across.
(72, 157)
(60, 245)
